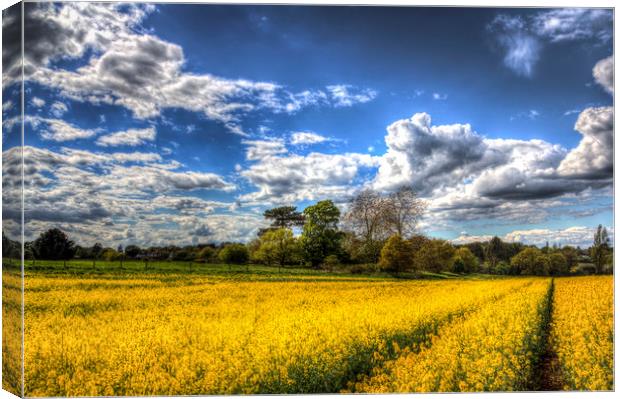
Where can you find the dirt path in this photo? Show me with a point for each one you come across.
(549, 370)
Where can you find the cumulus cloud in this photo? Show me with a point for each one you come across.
(426, 156)
(89, 188)
(593, 157)
(466, 176)
(58, 109)
(37, 102)
(603, 73)
(145, 74)
(288, 179)
(59, 130)
(304, 138)
(260, 149)
(131, 137)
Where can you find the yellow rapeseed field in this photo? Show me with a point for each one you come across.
(187, 336)
(491, 349)
(181, 334)
(582, 331)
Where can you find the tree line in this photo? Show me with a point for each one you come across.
(377, 232)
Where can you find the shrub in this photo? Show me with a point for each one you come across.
(330, 262)
(396, 255)
(464, 261)
(234, 253)
(435, 256)
(531, 261)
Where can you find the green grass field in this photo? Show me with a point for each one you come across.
(249, 272)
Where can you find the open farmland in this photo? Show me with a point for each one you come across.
(255, 332)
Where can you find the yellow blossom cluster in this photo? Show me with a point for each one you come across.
(582, 331)
(175, 335)
(493, 348)
(11, 331)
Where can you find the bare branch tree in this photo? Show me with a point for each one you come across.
(366, 219)
(403, 211)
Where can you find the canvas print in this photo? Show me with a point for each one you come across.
(215, 199)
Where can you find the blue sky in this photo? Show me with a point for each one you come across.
(182, 123)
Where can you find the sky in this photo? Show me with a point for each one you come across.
(180, 124)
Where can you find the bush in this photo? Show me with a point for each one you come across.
(464, 261)
(234, 253)
(531, 261)
(396, 255)
(110, 255)
(330, 262)
(435, 256)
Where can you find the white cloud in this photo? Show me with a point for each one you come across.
(98, 196)
(522, 50)
(58, 109)
(144, 73)
(131, 137)
(260, 149)
(347, 96)
(60, 130)
(574, 236)
(603, 73)
(569, 24)
(593, 157)
(37, 102)
(522, 38)
(303, 138)
(439, 96)
(288, 179)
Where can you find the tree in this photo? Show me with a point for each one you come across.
(283, 217)
(531, 261)
(600, 249)
(132, 251)
(403, 209)
(571, 255)
(435, 256)
(396, 255)
(277, 247)
(557, 264)
(493, 251)
(207, 254)
(320, 236)
(464, 261)
(54, 244)
(234, 254)
(366, 218)
(110, 255)
(96, 250)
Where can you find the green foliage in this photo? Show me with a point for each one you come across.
(531, 261)
(558, 264)
(277, 247)
(284, 217)
(320, 236)
(132, 251)
(331, 262)
(234, 254)
(54, 244)
(110, 255)
(396, 255)
(207, 254)
(435, 256)
(600, 249)
(464, 261)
